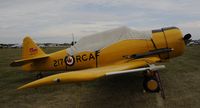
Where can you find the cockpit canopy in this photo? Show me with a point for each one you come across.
(100, 40)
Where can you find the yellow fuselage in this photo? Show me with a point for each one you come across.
(114, 53)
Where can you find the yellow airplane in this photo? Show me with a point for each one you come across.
(117, 51)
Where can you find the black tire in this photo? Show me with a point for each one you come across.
(145, 82)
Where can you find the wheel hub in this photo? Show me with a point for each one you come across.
(152, 85)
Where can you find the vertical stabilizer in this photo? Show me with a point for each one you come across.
(30, 49)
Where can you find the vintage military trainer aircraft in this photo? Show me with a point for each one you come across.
(117, 51)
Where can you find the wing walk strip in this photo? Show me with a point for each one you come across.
(95, 73)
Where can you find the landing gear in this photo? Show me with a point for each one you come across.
(39, 75)
(152, 83)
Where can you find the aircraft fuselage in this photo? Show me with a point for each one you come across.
(167, 38)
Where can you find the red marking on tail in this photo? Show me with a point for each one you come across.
(33, 50)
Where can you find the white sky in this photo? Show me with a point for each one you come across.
(56, 20)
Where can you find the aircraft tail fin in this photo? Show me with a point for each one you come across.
(30, 53)
(30, 49)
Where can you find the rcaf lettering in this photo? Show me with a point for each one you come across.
(85, 57)
(91, 56)
(78, 58)
(70, 60)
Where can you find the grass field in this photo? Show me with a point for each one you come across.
(181, 80)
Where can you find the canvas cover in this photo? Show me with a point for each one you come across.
(100, 40)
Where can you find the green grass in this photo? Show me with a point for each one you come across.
(181, 80)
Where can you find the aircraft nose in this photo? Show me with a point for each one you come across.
(176, 41)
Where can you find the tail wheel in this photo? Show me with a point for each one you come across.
(150, 84)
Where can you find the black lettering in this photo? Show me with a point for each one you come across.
(58, 62)
(84, 57)
(78, 58)
(91, 56)
(55, 63)
(97, 55)
(61, 61)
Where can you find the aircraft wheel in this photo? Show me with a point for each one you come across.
(150, 84)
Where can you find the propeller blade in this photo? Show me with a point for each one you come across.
(187, 36)
(187, 39)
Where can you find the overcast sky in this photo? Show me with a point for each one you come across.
(56, 20)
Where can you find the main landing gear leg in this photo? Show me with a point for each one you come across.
(162, 93)
(152, 83)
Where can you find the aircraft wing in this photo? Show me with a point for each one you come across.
(95, 73)
(25, 61)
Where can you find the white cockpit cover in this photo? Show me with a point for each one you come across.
(100, 40)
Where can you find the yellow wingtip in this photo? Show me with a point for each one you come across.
(29, 85)
(20, 88)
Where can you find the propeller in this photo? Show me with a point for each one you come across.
(186, 38)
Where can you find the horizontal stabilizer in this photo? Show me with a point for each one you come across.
(28, 60)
